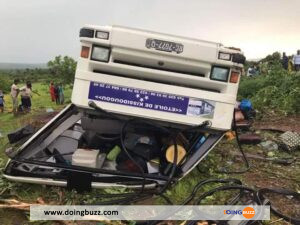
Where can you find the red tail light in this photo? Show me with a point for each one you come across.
(234, 77)
(85, 52)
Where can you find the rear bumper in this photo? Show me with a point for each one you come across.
(63, 183)
(221, 117)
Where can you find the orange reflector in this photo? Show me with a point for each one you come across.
(85, 51)
(234, 78)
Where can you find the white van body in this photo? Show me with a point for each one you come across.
(168, 80)
(132, 73)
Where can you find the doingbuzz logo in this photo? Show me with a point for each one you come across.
(247, 212)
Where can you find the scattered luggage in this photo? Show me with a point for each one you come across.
(289, 141)
(20, 133)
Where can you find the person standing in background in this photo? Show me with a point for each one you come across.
(290, 64)
(14, 92)
(52, 91)
(56, 94)
(1, 102)
(61, 94)
(297, 61)
(285, 61)
(25, 93)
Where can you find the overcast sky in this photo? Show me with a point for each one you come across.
(34, 31)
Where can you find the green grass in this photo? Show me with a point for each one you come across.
(30, 192)
(276, 91)
(9, 122)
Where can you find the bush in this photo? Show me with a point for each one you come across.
(62, 69)
(278, 90)
(5, 83)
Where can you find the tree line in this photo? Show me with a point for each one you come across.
(60, 70)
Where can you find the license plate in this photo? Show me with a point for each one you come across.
(165, 46)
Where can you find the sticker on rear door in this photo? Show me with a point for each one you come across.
(152, 100)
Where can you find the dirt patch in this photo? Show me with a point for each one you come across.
(13, 217)
(267, 179)
(42, 119)
(265, 174)
(291, 123)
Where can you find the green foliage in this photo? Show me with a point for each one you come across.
(5, 83)
(273, 58)
(277, 90)
(63, 69)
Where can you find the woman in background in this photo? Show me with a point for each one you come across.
(52, 92)
(14, 92)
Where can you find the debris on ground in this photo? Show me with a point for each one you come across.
(269, 145)
(249, 139)
(289, 141)
(240, 120)
(49, 110)
(20, 133)
(244, 114)
(271, 154)
(230, 135)
(247, 109)
(10, 152)
(239, 115)
(279, 124)
(15, 204)
(283, 161)
(41, 120)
